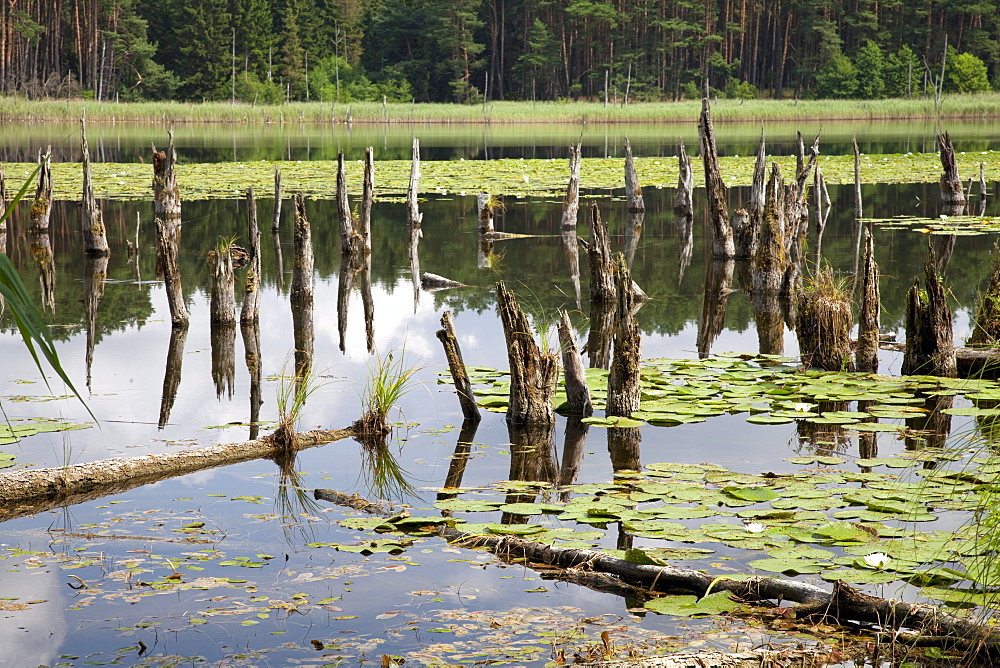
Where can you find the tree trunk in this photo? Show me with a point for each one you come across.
(459, 375)
(223, 290)
(166, 200)
(601, 334)
(276, 216)
(171, 275)
(41, 207)
(533, 373)
(571, 203)
(251, 288)
(722, 237)
(823, 324)
(770, 261)
(95, 238)
(683, 202)
(929, 339)
(301, 292)
(413, 215)
(349, 238)
(858, 208)
(484, 213)
(633, 191)
(623, 381)
(577, 392)
(367, 198)
(602, 269)
(951, 183)
(866, 352)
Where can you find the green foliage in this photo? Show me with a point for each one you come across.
(389, 380)
(741, 90)
(965, 73)
(903, 73)
(204, 60)
(354, 85)
(869, 63)
(837, 79)
(249, 88)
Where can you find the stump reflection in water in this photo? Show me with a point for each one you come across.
(718, 287)
(172, 374)
(95, 276)
(224, 358)
(532, 459)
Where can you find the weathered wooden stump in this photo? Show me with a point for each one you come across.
(350, 239)
(951, 183)
(533, 373)
(95, 238)
(367, 199)
(459, 375)
(601, 334)
(632, 235)
(41, 206)
(413, 215)
(166, 200)
(171, 275)
(571, 245)
(770, 260)
(930, 346)
(301, 292)
(633, 191)
(276, 213)
(602, 277)
(823, 324)
(484, 212)
(251, 285)
(223, 290)
(623, 381)
(722, 232)
(858, 206)
(574, 377)
(571, 203)
(866, 352)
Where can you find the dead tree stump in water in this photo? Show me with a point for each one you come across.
(251, 287)
(823, 324)
(276, 214)
(633, 191)
(302, 265)
(987, 322)
(413, 215)
(746, 222)
(349, 238)
(171, 276)
(858, 207)
(223, 290)
(453, 353)
(484, 211)
(367, 199)
(952, 193)
(623, 381)
(166, 201)
(577, 392)
(770, 260)
(683, 203)
(866, 352)
(929, 339)
(41, 207)
(95, 238)
(602, 273)
(533, 373)
(571, 203)
(722, 232)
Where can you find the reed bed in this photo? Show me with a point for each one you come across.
(15, 109)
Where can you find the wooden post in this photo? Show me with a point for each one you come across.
(770, 261)
(823, 324)
(95, 239)
(858, 208)
(171, 276)
(623, 381)
(950, 182)
(718, 287)
(571, 203)
(533, 373)
(929, 337)
(866, 352)
(484, 212)
(602, 277)
(414, 217)
(276, 216)
(302, 267)
(223, 290)
(987, 322)
(722, 237)
(367, 198)
(172, 372)
(453, 353)
(41, 207)
(348, 236)
(633, 191)
(251, 288)
(577, 392)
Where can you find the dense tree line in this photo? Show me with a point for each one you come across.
(462, 50)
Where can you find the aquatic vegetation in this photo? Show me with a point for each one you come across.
(389, 380)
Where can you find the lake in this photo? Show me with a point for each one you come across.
(236, 565)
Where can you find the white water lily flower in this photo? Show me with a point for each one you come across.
(801, 408)
(878, 559)
(755, 527)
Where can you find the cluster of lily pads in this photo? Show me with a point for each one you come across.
(943, 224)
(14, 430)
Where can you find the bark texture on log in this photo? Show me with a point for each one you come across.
(770, 261)
(602, 275)
(459, 375)
(251, 286)
(951, 182)
(929, 339)
(571, 203)
(633, 191)
(722, 232)
(171, 275)
(95, 238)
(41, 206)
(823, 324)
(278, 195)
(623, 381)
(413, 215)
(532, 373)
(52, 487)
(866, 352)
(574, 377)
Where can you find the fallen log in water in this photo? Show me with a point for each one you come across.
(32, 491)
(431, 281)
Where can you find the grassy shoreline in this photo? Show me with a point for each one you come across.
(20, 110)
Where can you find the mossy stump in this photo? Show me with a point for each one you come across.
(987, 323)
(823, 324)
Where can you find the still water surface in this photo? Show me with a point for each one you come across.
(268, 612)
